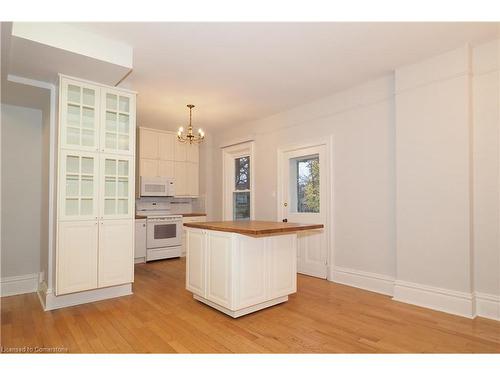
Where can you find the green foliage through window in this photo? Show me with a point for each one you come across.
(308, 185)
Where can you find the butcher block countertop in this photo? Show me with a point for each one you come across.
(253, 227)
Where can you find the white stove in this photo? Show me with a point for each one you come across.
(164, 233)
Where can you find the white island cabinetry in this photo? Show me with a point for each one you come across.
(240, 273)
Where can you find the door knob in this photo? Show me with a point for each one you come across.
(285, 220)
(285, 204)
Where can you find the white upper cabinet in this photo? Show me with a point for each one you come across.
(148, 144)
(192, 183)
(117, 122)
(78, 185)
(161, 154)
(117, 187)
(79, 106)
(192, 153)
(148, 168)
(180, 175)
(180, 151)
(166, 143)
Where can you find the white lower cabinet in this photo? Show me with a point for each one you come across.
(253, 272)
(140, 241)
(188, 219)
(116, 252)
(218, 253)
(94, 254)
(238, 272)
(282, 269)
(77, 250)
(195, 264)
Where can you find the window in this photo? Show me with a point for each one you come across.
(241, 195)
(238, 180)
(242, 173)
(307, 180)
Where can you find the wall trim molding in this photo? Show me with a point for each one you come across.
(50, 301)
(13, 285)
(373, 282)
(446, 300)
(487, 305)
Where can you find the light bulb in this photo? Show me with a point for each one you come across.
(181, 129)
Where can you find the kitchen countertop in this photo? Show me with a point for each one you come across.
(191, 214)
(253, 227)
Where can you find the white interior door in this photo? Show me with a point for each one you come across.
(304, 199)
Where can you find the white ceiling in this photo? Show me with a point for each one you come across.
(238, 72)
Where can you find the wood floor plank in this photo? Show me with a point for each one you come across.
(162, 317)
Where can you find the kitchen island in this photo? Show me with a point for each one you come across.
(239, 267)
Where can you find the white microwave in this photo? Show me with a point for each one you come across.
(157, 187)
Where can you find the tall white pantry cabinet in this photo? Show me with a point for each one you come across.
(96, 182)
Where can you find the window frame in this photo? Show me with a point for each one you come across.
(229, 155)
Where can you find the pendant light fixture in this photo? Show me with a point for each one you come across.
(190, 137)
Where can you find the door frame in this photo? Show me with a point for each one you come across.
(328, 142)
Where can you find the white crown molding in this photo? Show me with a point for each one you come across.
(11, 286)
(365, 280)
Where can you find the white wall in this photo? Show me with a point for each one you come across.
(424, 145)
(433, 183)
(21, 190)
(361, 122)
(486, 124)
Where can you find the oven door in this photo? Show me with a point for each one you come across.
(163, 233)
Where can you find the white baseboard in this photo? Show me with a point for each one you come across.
(10, 286)
(487, 305)
(365, 280)
(53, 302)
(450, 301)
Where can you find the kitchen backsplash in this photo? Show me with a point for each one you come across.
(174, 205)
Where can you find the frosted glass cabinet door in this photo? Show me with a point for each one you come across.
(78, 187)
(79, 115)
(117, 122)
(117, 187)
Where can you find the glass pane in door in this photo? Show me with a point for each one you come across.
(73, 115)
(88, 97)
(307, 190)
(88, 118)
(124, 104)
(241, 206)
(79, 189)
(123, 124)
(73, 94)
(116, 186)
(109, 206)
(111, 102)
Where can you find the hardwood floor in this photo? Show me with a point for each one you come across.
(162, 317)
